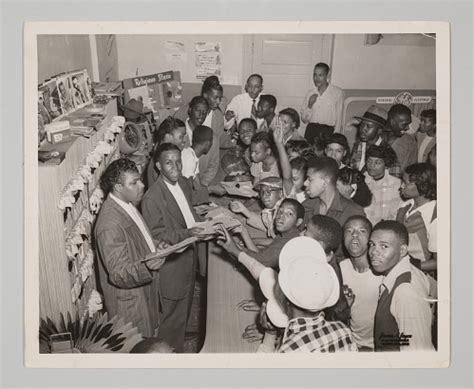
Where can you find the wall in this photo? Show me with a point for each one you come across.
(391, 65)
(62, 53)
(146, 54)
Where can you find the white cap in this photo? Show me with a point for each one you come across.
(275, 312)
(306, 279)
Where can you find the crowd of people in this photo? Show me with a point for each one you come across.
(341, 240)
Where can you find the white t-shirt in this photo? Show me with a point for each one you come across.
(190, 163)
(183, 204)
(365, 287)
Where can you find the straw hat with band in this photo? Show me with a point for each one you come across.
(375, 115)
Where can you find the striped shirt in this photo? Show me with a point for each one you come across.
(313, 334)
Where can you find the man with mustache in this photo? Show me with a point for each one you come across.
(403, 316)
(362, 283)
(129, 281)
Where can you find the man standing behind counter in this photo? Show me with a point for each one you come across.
(322, 106)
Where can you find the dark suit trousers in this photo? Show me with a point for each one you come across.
(174, 319)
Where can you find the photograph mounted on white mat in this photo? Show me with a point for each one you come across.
(235, 195)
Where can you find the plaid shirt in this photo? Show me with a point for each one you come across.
(358, 157)
(311, 334)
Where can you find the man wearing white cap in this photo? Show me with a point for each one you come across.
(306, 285)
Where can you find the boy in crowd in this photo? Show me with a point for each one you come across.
(328, 233)
(337, 148)
(404, 145)
(264, 163)
(266, 111)
(322, 106)
(324, 198)
(403, 316)
(270, 192)
(171, 130)
(245, 105)
(419, 215)
(360, 279)
(305, 288)
(293, 172)
(384, 187)
(247, 130)
(426, 135)
(298, 148)
(289, 120)
(202, 143)
(168, 212)
(369, 128)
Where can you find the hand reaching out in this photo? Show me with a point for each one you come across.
(252, 333)
(229, 115)
(237, 207)
(249, 305)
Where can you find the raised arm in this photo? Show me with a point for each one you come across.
(284, 161)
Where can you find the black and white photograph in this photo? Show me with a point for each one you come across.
(217, 190)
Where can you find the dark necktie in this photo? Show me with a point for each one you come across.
(254, 109)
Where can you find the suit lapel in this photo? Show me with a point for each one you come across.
(172, 206)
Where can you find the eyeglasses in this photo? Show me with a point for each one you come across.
(268, 191)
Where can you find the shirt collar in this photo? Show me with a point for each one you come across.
(120, 202)
(401, 267)
(298, 324)
(336, 203)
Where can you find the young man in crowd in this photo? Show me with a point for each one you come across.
(322, 106)
(404, 145)
(403, 316)
(168, 212)
(202, 142)
(370, 126)
(266, 111)
(337, 148)
(328, 233)
(171, 130)
(127, 269)
(245, 105)
(426, 135)
(361, 280)
(324, 198)
(383, 186)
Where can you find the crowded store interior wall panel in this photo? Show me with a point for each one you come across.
(382, 66)
(63, 53)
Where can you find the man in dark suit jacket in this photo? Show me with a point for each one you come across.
(129, 285)
(167, 209)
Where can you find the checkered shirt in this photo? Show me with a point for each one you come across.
(306, 334)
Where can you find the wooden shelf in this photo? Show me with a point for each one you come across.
(56, 280)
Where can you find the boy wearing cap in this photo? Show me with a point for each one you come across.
(270, 191)
(306, 285)
(384, 187)
(368, 133)
(403, 316)
(324, 198)
(337, 148)
(359, 277)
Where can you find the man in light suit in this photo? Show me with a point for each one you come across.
(129, 281)
(167, 209)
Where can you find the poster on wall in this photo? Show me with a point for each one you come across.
(207, 59)
(155, 91)
(175, 52)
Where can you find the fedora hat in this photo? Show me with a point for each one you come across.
(133, 109)
(375, 115)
